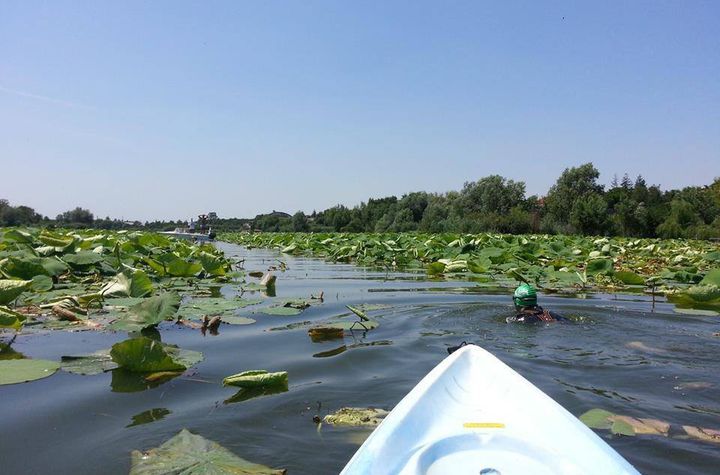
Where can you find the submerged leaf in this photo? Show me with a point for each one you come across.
(21, 371)
(250, 393)
(187, 453)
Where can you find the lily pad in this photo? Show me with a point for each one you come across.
(151, 311)
(257, 378)
(238, 320)
(187, 453)
(11, 319)
(597, 419)
(22, 371)
(128, 284)
(199, 307)
(144, 355)
(356, 416)
(281, 310)
(95, 363)
(630, 278)
(11, 289)
(704, 434)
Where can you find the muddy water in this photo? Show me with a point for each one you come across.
(625, 354)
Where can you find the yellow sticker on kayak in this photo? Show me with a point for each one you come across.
(484, 425)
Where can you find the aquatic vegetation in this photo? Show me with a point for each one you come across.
(257, 378)
(190, 453)
(356, 416)
(23, 370)
(553, 263)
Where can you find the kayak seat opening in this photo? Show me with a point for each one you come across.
(494, 454)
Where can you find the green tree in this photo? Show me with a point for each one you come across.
(300, 222)
(573, 184)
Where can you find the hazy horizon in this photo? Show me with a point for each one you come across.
(164, 110)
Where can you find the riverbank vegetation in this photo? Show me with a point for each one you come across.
(577, 204)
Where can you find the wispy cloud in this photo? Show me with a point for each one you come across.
(38, 97)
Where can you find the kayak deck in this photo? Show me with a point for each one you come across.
(472, 414)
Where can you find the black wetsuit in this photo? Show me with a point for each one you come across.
(535, 314)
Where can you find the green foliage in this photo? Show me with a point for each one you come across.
(257, 378)
(23, 370)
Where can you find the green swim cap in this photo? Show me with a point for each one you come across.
(525, 296)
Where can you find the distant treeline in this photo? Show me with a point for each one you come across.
(575, 204)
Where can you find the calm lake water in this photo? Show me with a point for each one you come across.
(627, 356)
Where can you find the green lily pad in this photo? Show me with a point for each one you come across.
(711, 278)
(22, 371)
(11, 289)
(281, 310)
(128, 284)
(11, 319)
(144, 355)
(82, 259)
(257, 378)
(187, 453)
(630, 278)
(96, 363)
(597, 419)
(238, 320)
(151, 311)
(211, 306)
(620, 427)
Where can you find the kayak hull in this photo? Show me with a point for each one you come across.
(472, 414)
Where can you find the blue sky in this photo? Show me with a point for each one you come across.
(165, 109)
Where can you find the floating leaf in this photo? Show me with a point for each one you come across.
(630, 278)
(144, 355)
(700, 433)
(711, 278)
(82, 259)
(182, 268)
(11, 289)
(333, 352)
(128, 284)
(187, 453)
(640, 425)
(620, 427)
(356, 416)
(21, 371)
(199, 307)
(95, 363)
(597, 419)
(11, 319)
(599, 266)
(281, 310)
(238, 320)
(42, 283)
(257, 378)
(151, 311)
